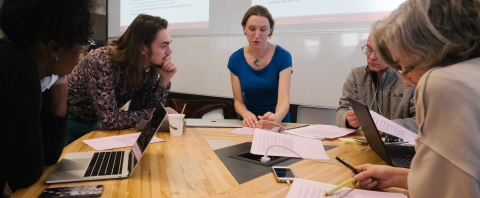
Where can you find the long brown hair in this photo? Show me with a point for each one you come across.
(127, 50)
(258, 10)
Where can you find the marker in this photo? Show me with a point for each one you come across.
(347, 165)
(340, 186)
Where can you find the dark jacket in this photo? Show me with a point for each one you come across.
(30, 136)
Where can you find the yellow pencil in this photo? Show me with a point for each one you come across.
(339, 186)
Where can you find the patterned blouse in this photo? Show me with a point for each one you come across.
(94, 82)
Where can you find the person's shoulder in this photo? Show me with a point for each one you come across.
(359, 71)
(237, 54)
(281, 51)
(15, 61)
(99, 53)
(99, 58)
(448, 79)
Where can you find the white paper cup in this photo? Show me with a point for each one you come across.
(176, 124)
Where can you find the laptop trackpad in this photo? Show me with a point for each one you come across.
(73, 164)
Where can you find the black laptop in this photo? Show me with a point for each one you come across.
(393, 155)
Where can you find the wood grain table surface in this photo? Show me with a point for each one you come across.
(186, 166)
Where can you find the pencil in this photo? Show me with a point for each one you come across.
(340, 186)
(347, 165)
(183, 108)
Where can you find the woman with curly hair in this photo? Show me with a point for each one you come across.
(39, 49)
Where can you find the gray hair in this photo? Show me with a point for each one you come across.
(429, 33)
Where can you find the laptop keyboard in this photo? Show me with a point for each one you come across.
(401, 155)
(105, 163)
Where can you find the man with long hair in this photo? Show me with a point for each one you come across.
(137, 63)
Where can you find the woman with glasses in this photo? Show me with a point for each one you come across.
(380, 88)
(435, 45)
(40, 47)
(260, 72)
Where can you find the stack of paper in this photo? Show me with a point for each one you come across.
(284, 145)
(306, 188)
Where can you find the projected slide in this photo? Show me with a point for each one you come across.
(180, 14)
(327, 11)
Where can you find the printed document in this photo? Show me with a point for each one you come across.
(249, 131)
(385, 125)
(305, 188)
(325, 131)
(304, 147)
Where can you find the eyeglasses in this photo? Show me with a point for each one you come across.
(367, 51)
(409, 68)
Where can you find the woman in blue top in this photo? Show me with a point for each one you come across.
(260, 72)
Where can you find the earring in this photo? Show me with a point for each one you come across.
(55, 59)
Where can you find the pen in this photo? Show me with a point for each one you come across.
(350, 108)
(339, 186)
(347, 165)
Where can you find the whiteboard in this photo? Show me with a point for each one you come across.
(321, 62)
(322, 54)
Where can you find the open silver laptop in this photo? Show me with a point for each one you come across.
(163, 127)
(98, 165)
(219, 123)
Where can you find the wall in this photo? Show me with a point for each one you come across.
(322, 54)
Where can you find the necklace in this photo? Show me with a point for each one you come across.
(257, 61)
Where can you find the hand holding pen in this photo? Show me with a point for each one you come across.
(346, 182)
(368, 176)
(380, 176)
(373, 176)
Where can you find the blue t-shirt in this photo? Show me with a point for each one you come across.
(260, 88)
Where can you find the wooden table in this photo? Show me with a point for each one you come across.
(186, 166)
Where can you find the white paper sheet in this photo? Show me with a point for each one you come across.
(326, 131)
(249, 131)
(385, 125)
(305, 147)
(305, 188)
(118, 141)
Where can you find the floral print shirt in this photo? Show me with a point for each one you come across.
(94, 82)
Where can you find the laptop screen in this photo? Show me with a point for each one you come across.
(147, 134)
(369, 129)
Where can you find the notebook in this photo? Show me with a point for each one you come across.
(219, 123)
(393, 155)
(95, 165)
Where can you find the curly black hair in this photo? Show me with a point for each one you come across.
(26, 22)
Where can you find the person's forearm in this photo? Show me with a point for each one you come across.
(164, 83)
(240, 108)
(281, 110)
(401, 177)
(58, 100)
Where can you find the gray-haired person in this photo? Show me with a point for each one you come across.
(381, 89)
(434, 44)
